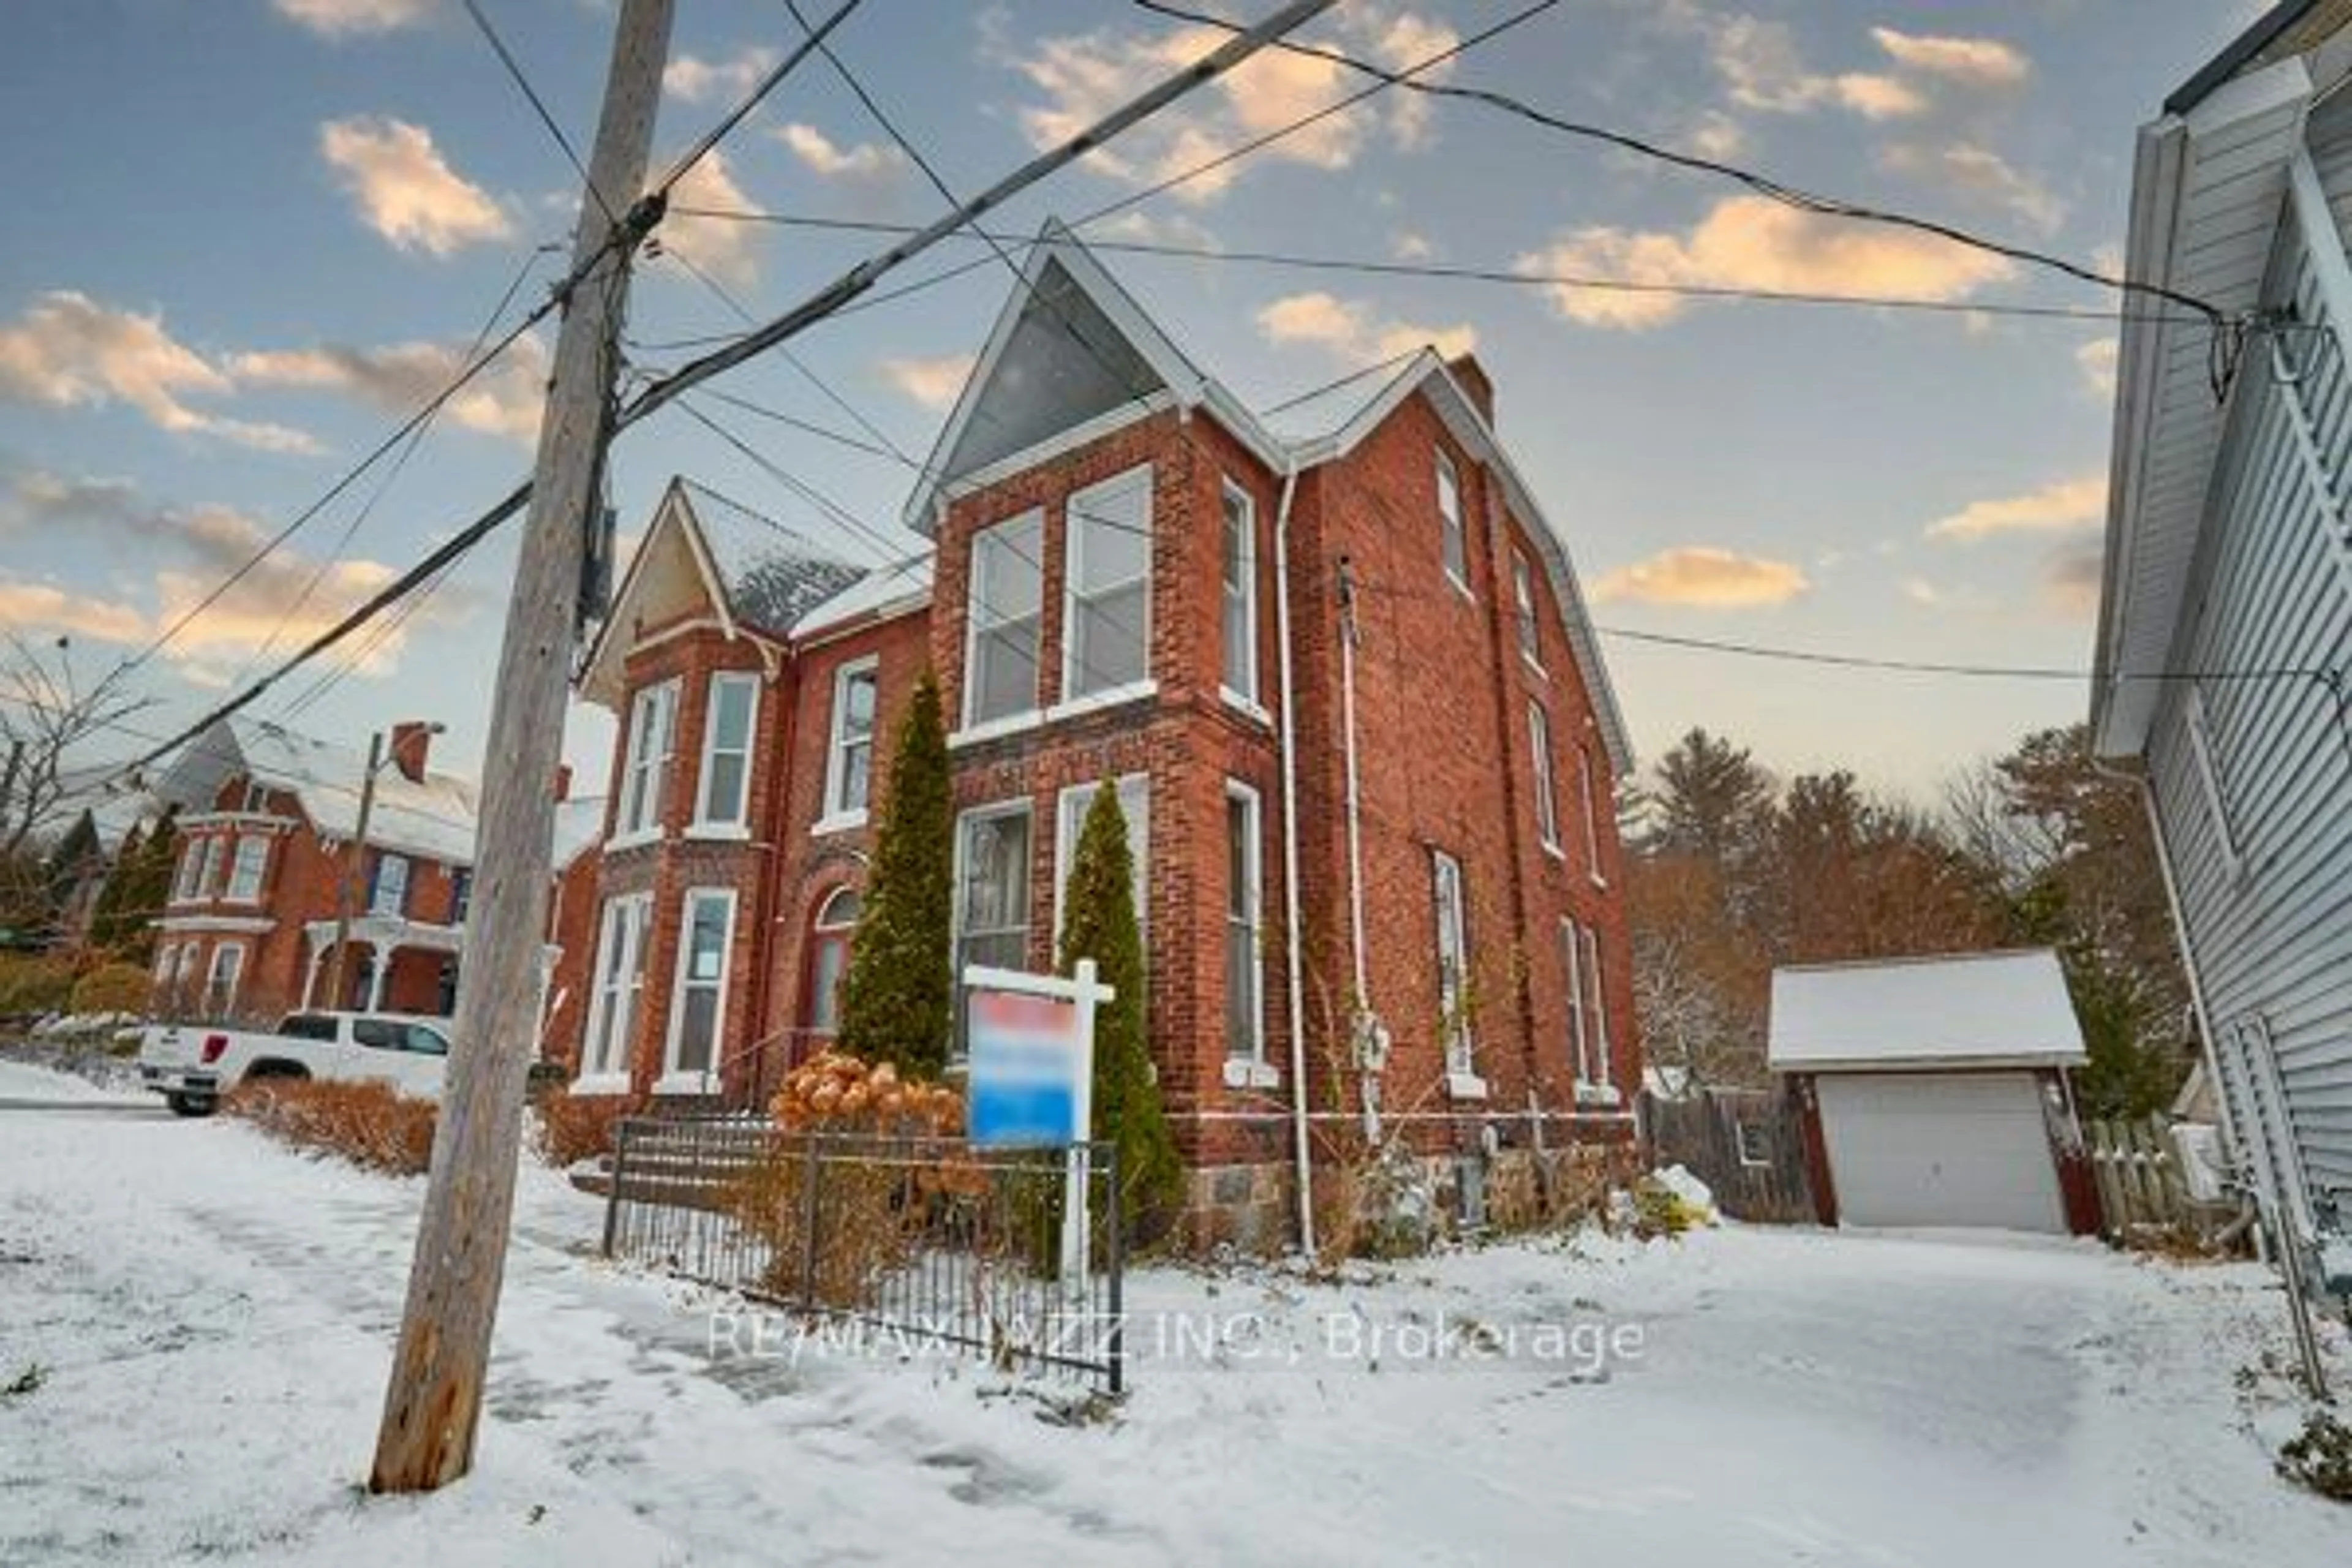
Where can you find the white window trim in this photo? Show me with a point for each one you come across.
(1459, 1048)
(674, 1080)
(1251, 1066)
(1246, 700)
(1067, 852)
(167, 956)
(1017, 805)
(833, 819)
(185, 885)
(616, 910)
(1739, 1127)
(213, 974)
(1602, 1090)
(650, 703)
(1446, 467)
(1003, 723)
(1587, 796)
(260, 870)
(1137, 477)
(210, 881)
(706, 826)
(1547, 788)
(375, 905)
(2209, 779)
(997, 729)
(1526, 617)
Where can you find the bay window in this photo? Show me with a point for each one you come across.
(1135, 807)
(653, 732)
(616, 985)
(726, 731)
(1107, 615)
(991, 907)
(1005, 617)
(697, 1013)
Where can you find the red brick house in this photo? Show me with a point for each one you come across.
(1336, 658)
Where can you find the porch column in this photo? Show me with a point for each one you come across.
(382, 966)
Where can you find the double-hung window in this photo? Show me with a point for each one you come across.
(1540, 746)
(1523, 596)
(245, 871)
(618, 982)
(1005, 617)
(1245, 895)
(849, 754)
(732, 708)
(1587, 1015)
(653, 734)
(220, 984)
(1589, 798)
(1240, 595)
(192, 871)
(697, 1015)
(1455, 543)
(1107, 615)
(1070, 821)
(388, 887)
(992, 906)
(1453, 965)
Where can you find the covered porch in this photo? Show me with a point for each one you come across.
(391, 964)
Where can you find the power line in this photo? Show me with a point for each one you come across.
(538, 107)
(1788, 195)
(751, 100)
(1514, 276)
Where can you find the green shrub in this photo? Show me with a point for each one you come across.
(113, 988)
(898, 1000)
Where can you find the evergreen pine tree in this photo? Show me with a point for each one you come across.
(135, 893)
(1098, 921)
(898, 999)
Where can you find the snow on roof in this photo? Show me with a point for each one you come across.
(772, 576)
(433, 817)
(579, 824)
(903, 584)
(1978, 1009)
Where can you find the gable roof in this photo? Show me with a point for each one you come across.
(433, 819)
(1972, 1009)
(756, 575)
(1042, 390)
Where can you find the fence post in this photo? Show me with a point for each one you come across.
(812, 1171)
(1114, 1250)
(613, 1193)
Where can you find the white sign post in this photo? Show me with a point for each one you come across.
(1032, 1048)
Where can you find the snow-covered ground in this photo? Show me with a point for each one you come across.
(212, 1317)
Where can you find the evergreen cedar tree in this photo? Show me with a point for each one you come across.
(1099, 923)
(898, 1000)
(122, 922)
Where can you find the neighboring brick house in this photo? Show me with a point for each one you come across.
(267, 851)
(1132, 572)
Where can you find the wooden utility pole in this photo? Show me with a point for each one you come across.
(345, 897)
(433, 1407)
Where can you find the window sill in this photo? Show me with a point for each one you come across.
(636, 840)
(1464, 1086)
(1555, 851)
(1534, 667)
(996, 729)
(841, 822)
(719, 832)
(1459, 585)
(686, 1083)
(1600, 881)
(1247, 707)
(1604, 1095)
(1247, 1072)
(599, 1084)
(1109, 696)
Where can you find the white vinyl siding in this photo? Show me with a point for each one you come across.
(1453, 963)
(1540, 753)
(991, 908)
(1107, 606)
(849, 748)
(245, 871)
(1239, 595)
(1244, 901)
(697, 1015)
(617, 985)
(730, 719)
(1005, 617)
(653, 734)
(1453, 541)
(1070, 820)
(2209, 779)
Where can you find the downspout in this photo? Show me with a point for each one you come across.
(1364, 1026)
(1295, 960)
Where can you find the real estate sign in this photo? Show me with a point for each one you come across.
(1030, 1064)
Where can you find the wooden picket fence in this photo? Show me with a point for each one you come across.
(2138, 1172)
(1746, 1144)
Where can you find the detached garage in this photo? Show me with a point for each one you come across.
(1933, 1092)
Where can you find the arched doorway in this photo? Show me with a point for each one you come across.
(830, 931)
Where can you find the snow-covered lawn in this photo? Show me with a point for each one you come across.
(212, 1316)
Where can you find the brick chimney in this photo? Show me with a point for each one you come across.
(1473, 377)
(412, 748)
(562, 781)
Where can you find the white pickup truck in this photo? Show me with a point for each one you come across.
(191, 1065)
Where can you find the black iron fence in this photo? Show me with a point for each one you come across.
(940, 1246)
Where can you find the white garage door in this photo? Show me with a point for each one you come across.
(1931, 1148)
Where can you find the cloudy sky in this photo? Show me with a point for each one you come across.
(250, 235)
